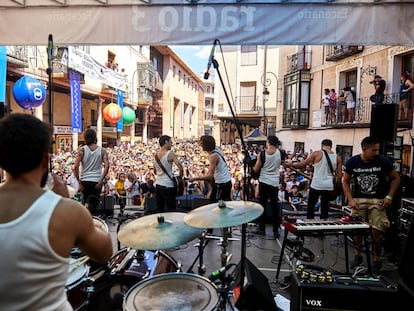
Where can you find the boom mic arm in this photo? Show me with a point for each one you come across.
(210, 59)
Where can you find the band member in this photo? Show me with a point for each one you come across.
(375, 182)
(39, 228)
(269, 182)
(95, 166)
(322, 180)
(218, 173)
(165, 190)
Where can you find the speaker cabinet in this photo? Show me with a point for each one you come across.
(150, 206)
(406, 267)
(384, 121)
(256, 294)
(375, 294)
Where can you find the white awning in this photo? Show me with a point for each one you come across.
(232, 23)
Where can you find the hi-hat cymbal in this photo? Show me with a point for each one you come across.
(157, 231)
(223, 214)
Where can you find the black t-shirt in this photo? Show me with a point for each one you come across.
(370, 180)
(381, 89)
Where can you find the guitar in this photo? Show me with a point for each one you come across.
(297, 171)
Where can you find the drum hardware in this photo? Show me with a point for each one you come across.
(224, 282)
(225, 214)
(121, 219)
(125, 269)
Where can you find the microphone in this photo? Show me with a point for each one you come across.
(49, 50)
(210, 59)
(219, 273)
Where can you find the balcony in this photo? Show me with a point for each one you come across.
(298, 61)
(363, 109)
(338, 52)
(247, 105)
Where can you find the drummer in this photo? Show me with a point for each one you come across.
(218, 174)
(38, 228)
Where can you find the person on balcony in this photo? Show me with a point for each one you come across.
(325, 104)
(405, 96)
(379, 85)
(350, 105)
(342, 115)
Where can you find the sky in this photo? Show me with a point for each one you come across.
(196, 57)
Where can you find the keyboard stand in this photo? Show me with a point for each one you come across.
(345, 233)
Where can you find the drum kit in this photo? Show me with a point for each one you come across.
(142, 276)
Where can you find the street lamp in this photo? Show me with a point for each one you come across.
(267, 82)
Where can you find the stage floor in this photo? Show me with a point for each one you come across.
(327, 253)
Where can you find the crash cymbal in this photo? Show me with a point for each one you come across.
(157, 231)
(223, 214)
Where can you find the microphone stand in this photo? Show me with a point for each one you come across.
(49, 72)
(246, 161)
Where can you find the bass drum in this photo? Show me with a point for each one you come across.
(125, 269)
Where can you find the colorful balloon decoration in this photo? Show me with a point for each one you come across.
(29, 92)
(128, 116)
(112, 113)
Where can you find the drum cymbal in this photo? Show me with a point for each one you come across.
(157, 231)
(223, 214)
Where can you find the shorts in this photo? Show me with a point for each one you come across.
(371, 211)
(350, 105)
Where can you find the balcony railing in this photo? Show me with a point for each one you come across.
(337, 52)
(363, 107)
(246, 104)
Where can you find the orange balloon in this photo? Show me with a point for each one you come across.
(112, 113)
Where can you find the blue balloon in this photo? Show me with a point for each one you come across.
(29, 92)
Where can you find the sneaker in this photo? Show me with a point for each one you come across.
(376, 268)
(356, 262)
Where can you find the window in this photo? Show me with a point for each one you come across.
(345, 152)
(248, 96)
(296, 99)
(248, 55)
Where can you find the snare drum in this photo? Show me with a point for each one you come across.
(125, 269)
(100, 223)
(173, 291)
(76, 283)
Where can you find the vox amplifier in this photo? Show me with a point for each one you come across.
(343, 293)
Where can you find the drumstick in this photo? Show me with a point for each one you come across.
(75, 264)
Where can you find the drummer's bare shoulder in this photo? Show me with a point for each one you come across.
(72, 224)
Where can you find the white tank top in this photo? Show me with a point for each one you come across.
(162, 178)
(269, 173)
(221, 173)
(91, 164)
(33, 276)
(322, 176)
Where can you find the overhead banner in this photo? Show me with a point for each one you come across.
(120, 99)
(75, 101)
(3, 70)
(86, 64)
(235, 23)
